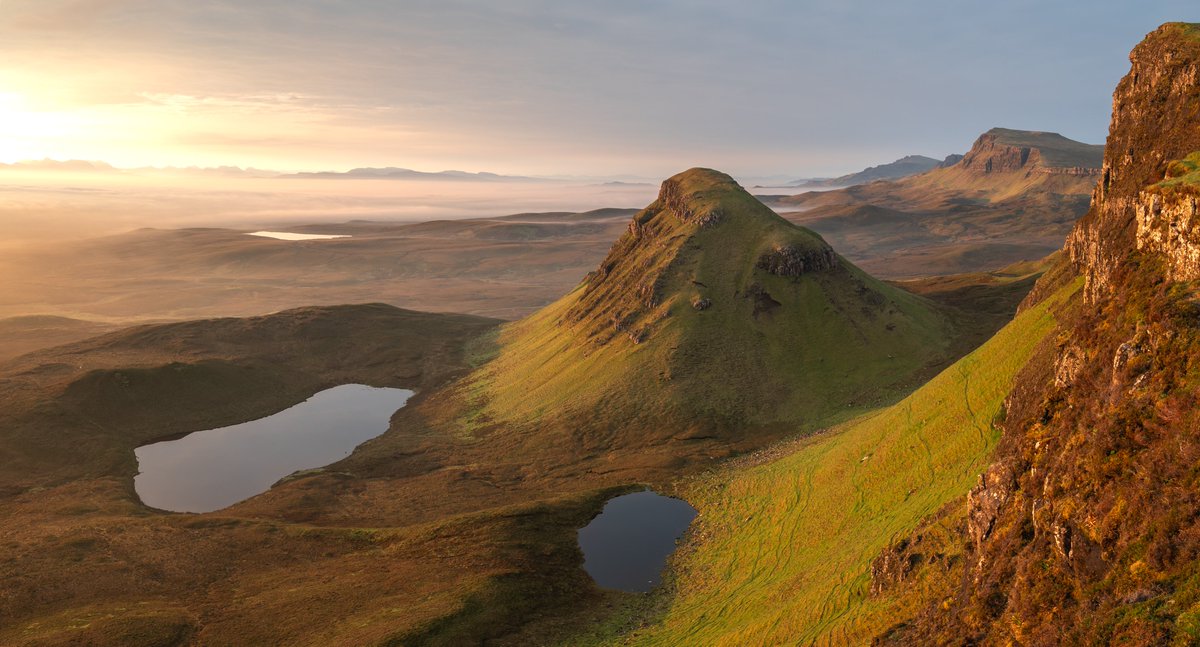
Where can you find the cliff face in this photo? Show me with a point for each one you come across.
(1168, 226)
(1001, 150)
(1156, 119)
(1086, 527)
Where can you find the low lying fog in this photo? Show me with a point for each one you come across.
(42, 206)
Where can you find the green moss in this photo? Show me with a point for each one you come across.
(1182, 176)
(1188, 29)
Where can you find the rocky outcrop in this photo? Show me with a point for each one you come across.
(1080, 171)
(985, 501)
(796, 261)
(989, 156)
(1155, 109)
(673, 198)
(1168, 225)
(1001, 150)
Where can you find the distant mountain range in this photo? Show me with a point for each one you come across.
(75, 166)
(395, 173)
(903, 167)
(388, 173)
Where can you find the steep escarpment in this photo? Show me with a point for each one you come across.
(1083, 530)
(1005, 164)
(1155, 115)
(1168, 219)
(1002, 150)
(714, 313)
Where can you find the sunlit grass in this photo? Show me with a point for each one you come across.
(784, 548)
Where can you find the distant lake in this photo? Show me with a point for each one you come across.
(284, 235)
(210, 470)
(626, 546)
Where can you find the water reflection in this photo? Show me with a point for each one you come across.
(627, 545)
(209, 470)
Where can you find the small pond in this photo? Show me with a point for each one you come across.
(210, 470)
(627, 545)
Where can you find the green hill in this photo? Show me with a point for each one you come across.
(782, 551)
(712, 311)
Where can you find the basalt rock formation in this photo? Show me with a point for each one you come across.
(1155, 117)
(1168, 220)
(1001, 150)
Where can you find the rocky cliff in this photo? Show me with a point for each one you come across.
(1168, 220)
(1156, 109)
(1001, 150)
(1084, 529)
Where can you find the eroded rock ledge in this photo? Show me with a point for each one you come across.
(1169, 225)
(673, 199)
(795, 261)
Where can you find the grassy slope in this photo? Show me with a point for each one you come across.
(996, 188)
(1183, 176)
(836, 336)
(784, 548)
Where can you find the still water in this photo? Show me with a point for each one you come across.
(627, 545)
(209, 470)
(287, 235)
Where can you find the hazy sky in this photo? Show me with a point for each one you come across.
(554, 87)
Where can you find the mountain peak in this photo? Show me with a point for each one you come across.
(704, 197)
(700, 213)
(697, 195)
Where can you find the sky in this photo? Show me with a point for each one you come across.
(555, 87)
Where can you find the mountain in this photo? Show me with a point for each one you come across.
(394, 173)
(951, 160)
(903, 167)
(1001, 150)
(710, 316)
(1013, 197)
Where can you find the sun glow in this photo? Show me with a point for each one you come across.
(29, 133)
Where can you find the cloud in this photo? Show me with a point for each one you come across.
(533, 86)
